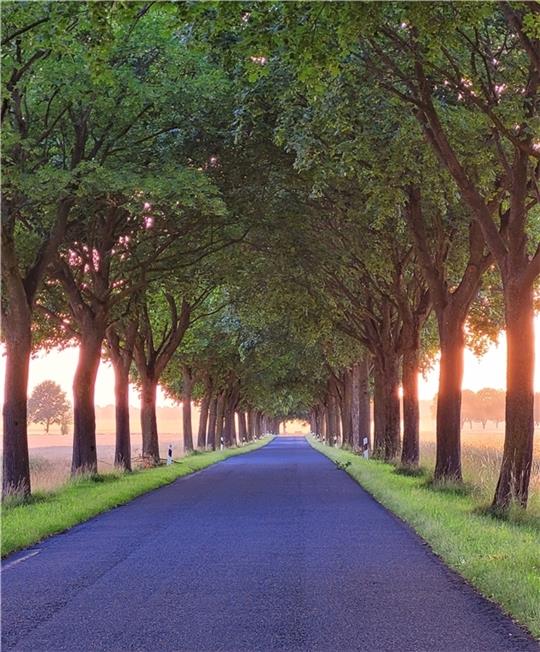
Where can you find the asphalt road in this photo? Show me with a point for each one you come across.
(272, 550)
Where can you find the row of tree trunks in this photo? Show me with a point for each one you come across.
(222, 421)
(352, 416)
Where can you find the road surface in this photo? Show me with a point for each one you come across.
(272, 550)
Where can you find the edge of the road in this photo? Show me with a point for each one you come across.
(27, 524)
(451, 569)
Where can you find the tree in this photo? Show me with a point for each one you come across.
(48, 404)
(470, 78)
(477, 74)
(88, 91)
(490, 405)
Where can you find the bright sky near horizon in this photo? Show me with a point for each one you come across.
(488, 371)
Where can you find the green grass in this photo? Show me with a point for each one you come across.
(47, 513)
(500, 557)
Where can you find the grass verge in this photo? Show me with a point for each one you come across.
(47, 513)
(501, 558)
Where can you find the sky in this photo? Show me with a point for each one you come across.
(488, 371)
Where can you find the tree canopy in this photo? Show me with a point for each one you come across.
(273, 210)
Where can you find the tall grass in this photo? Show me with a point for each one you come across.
(481, 466)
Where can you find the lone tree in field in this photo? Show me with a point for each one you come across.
(48, 404)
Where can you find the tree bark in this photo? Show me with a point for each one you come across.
(122, 454)
(150, 444)
(242, 427)
(229, 432)
(19, 292)
(16, 466)
(258, 424)
(323, 421)
(365, 405)
(392, 431)
(211, 442)
(250, 424)
(219, 419)
(203, 420)
(379, 412)
(355, 407)
(452, 342)
(187, 431)
(346, 409)
(387, 408)
(84, 414)
(513, 483)
(121, 354)
(410, 454)
(328, 421)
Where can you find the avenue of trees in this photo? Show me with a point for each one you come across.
(276, 210)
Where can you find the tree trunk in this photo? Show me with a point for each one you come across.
(150, 444)
(211, 441)
(346, 408)
(16, 466)
(242, 427)
(365, 406)
(356, 442)
(452, 341)
(379, 412)
(122, 453)
(516, 465)
(312, 422)
(392, 431)
(250, 425)
(219, 418)
(203, 421)
(258, 421)
(328, 421)
(323, 422)
(410, 454)
(187, 385)
(387, 408)
(229, 432)
(84, 413)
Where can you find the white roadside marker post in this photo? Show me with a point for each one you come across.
(169, 455)
(365, 447)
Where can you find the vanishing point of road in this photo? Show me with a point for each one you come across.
(272, 550)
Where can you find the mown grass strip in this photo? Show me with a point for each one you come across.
(49, 513)
(500, 558)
